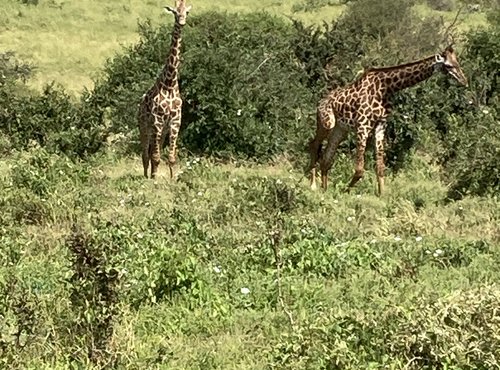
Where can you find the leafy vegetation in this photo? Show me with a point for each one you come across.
(114, 271)
(236, 263)
(243, 93)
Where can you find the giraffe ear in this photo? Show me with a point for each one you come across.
(188, 9)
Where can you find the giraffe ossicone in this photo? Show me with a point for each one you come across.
(160, 109)
(363, 106)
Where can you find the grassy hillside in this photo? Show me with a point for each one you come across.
(240, 266)
(68, 41)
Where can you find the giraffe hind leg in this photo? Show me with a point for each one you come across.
(315, 148)
(156, 144)
(379, 154)
(146, 153)
(335, 138)
(316, 145)
(360, 159)
(145, 160)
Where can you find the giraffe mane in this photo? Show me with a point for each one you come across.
(391, 68)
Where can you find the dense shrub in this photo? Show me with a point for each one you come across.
(242, 88)
(38, 181)
(94, 295)
(251, 83)
(12, 70)
(453, 332)
(369, 34)
(470, 134)
(51, 118)
(458, 331)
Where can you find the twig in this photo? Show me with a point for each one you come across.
(449, 28)
(407, 366)
(258, 67)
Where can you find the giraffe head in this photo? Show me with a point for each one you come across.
(447, 62)
(180, 11)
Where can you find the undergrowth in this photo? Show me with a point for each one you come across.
(240, 265)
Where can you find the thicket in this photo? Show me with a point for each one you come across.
(52, 118)
(243, 90)
(251, 82)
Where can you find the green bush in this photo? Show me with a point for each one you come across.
(19, 327)
(39, 180)
(50, 119)
(470, 139)
(243, 91)
(368, 34)
(456, 332)
(12, 70)
(94, 286)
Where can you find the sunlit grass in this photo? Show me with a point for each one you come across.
(222, 214)
(69, 41)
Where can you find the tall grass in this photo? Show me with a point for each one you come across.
(192, 271)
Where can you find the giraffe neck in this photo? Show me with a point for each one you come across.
(407, 75)
(170, 71)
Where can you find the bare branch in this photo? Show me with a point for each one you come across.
(448, 36)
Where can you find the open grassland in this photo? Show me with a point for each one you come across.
(68, 41)
(362, 280)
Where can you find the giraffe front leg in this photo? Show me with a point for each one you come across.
(146, 150)
(175, 126)
(145, 160)
(359, 169)
(379, 153)
(144, 125)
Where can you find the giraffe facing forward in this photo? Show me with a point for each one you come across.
(161, 106)
(364, 106)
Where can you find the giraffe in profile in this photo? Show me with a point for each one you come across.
(363, 106)
(161, 106)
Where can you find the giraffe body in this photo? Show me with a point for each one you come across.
(363, 106)
(160, 110)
